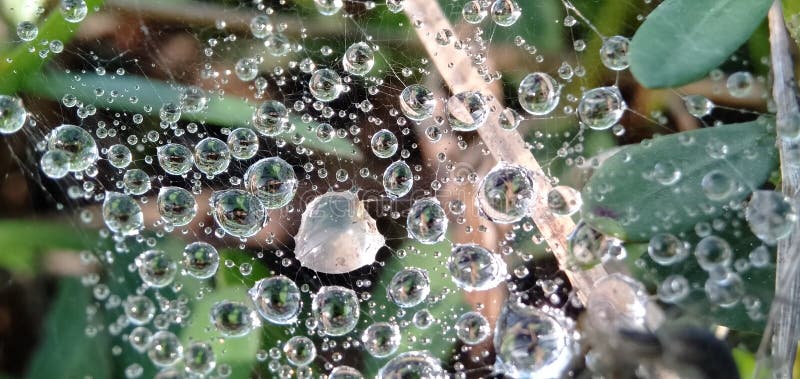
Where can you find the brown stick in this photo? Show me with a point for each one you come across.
(786, 306)
(456, 68)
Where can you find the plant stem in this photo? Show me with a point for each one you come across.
(786, 306)
(456, 68)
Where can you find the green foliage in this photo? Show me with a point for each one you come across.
(66, 351)
(682, 40)
(232, 112)
(625, 198)
(23, 246)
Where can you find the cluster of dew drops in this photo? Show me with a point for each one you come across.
(505, 195)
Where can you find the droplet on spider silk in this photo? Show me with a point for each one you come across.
(271, 118)
(325, 85)
(394, 6)
(232, 319)
(337, 235)
(347, 372)
(506, 193)
(156, 268)
(740, 84)
(139, 309)
(384, 143)
(193, 100)
(474, 268)
(673, 289)
(381, 339)
(617, 300)
(199, 358)
(667, 249)
(531, 343)
(12, 114)
(472, 328)
(27, 31)
(200, 260)
(74, 11)
(725, 291)
(271, 180)
(277, 299)
(398, 179)
(243, 143)
(417, 102)
(76, 143)
(505, 12)
(426, 221)
(175, 159)
(136, 182)
(509, 119)
(165, 349)
(614, 53)
(564, 200)
(328, 7)
(409, 287)
(55, 164)
(601, 108)
(212, 156)
(717, 185)
(538, 93)
(238, 213)
(771, 216)
(473, 12)
(260, 26)
(300, 351)
(358, 59)
(119, 155)
(698, 105)
(246, 69)
(713, 253)
(122, 215)
(176, 205)
(336, 309)
(413, 364)
(467, 111)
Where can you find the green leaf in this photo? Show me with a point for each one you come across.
(19, 63)
(759, 283)
(624, 199)
(233, 112)
(682, 40)
(22, 244)
(66, 352)
(445, 311)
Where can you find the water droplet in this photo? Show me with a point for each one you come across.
(199, 358)
(358, 59)
(328, 7)
(347, 372)
(381, 339)
(243, 143)
(472, 328)
(538, 93)
(139, 309)
(417, 102)
(122, 215)
(426, 221)
(232, 319)
(176, 206)
(473, 12)
(412, 364)
(474, 268)
(74, 11)
(78, 145)
(409, 287)
(725, 291)
(200, 260)
(713, 252)
(12, 114)
(506, 193)
(509, 119)
(505, 12)
(398, 179)
(136, 182)
(273, 181)
(271, 118)
(336, 309)
(467, 111)
(698, 106)
(238, 213)
(614, 53)
(771, 216)
(666, 249)
(325, 84)
(601, 108)
(277, 299)
(564, 200)
(165, 349)
(740, 84)
(27, 31)
(384, 143)
(55, 164)
(300, 351)
(175, 159)
(673, 289)
(156, 269)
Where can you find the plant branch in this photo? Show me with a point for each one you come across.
(456, 69)
(786, 307)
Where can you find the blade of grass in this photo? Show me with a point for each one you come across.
(226, 111)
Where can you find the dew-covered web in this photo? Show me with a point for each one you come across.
(136, 70)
